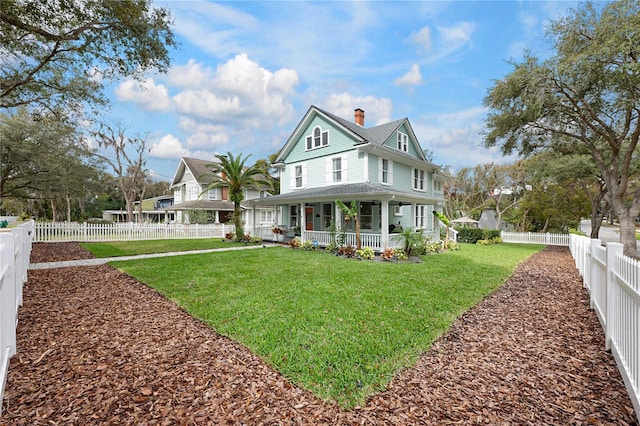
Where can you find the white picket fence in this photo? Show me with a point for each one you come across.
(15, 250)
(535, 238)
(613, 282)
(73, 231)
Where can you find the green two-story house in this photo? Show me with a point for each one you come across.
(382, 168)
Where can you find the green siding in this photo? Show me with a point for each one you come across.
(339, 141)
(392, 142)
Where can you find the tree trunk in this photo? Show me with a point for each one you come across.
(358, 239)
(237, 220)
(68, 208)
(53, 209)
(628, 232)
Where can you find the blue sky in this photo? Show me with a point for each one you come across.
(246, 72)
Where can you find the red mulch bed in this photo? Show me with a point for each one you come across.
(97, 347)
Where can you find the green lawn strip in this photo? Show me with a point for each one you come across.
(338, 327)
(130, 248)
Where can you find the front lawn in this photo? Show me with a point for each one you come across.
(130, 248)
(339, 327)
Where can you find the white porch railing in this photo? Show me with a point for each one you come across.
(73, 231)
(535, 238)
(324, 238)
(15, 249)
(613, 282)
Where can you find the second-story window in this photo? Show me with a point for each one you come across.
(193, 192)
(213, 194)
(337, 169)
(298, 176)
(418, 179)
(317, 139)
(403, 142)
(385, 174)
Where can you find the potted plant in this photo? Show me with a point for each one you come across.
(278, 233)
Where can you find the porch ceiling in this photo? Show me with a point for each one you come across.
(354, 191)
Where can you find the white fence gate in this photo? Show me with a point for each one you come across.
(613, 282)
(15, 249)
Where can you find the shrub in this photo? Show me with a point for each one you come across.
(332, 247)
(256, 240)
(387, 254)
(434, 247)
(366, 253)
(401, 255)
(295, 242)
(348, 251)
(472, 235)
(229, 236)
(308, 245)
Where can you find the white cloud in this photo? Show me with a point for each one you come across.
(206, 140)
(190, 76)
(213, 27)
(240, 93)
(456, 138)
(148, 95)
(168, 146)
(413, 77)
(422, 39)
(377, 110)
(457, 35)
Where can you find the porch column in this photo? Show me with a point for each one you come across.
(217, 216)
(302, 220)
(384, 227)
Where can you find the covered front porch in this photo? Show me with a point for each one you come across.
(314, 215)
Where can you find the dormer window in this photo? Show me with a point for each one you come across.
(317, 139)
(403, 142)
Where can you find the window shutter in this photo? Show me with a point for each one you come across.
(390, 173)
(304, 175)
(379, 169)
(292, 177)
(328, 170)
(344, 169)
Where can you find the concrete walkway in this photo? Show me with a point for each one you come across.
(101, 261)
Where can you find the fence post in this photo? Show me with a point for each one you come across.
(613, 249)
(593, 273)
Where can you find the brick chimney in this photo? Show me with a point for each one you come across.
(359, 115)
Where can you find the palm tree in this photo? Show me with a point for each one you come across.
(231, 172)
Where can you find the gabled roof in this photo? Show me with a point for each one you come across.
(198, 169)
(376, 135)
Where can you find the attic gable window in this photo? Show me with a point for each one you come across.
(403, 142)
(317, 139)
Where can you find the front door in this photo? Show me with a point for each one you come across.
(308, 218)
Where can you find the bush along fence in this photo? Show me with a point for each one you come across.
(74, 231)
(613, 282)
(15, 250)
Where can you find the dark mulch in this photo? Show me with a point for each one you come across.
(58, 252)
(97, 347)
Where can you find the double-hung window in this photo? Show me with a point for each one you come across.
(418, 179)
(385, 167)
(420, 220)
(403, 142)
(337, 169)
(298, 174)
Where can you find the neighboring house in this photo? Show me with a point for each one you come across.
(153, 211)
(213, 206)
(383, 168)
